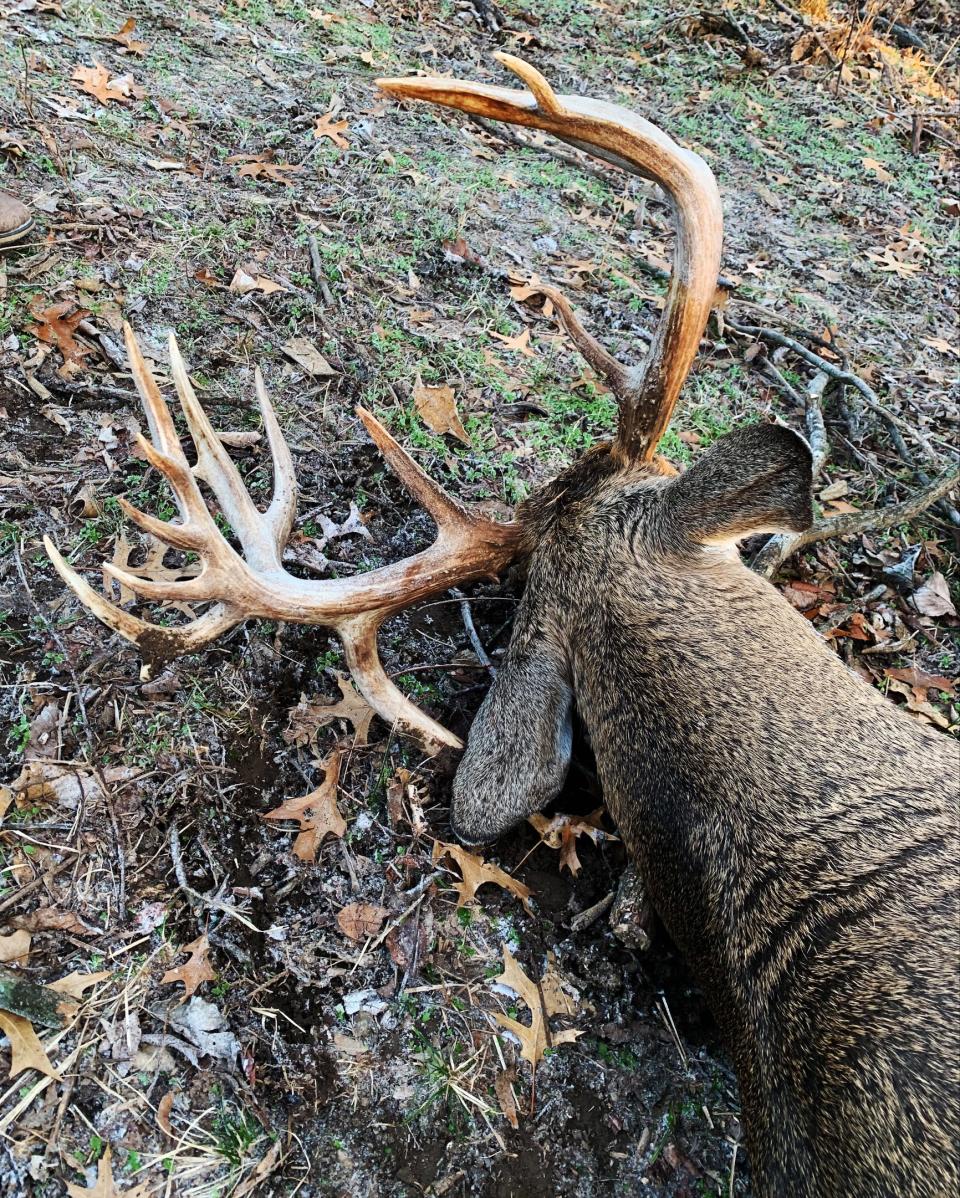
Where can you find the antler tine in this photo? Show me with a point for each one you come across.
(615, 135)
(154, 640)
(358, 636)
(216, 468)
(282, 512)
(159, 420)
(180, 536)
(445, 510)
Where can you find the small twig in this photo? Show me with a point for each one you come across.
(22, 891)
(194, 896)
(469, 625)
(592, 914)
(316, 271)
(875, 520)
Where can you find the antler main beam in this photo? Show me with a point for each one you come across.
(253, 583)
(647, 394)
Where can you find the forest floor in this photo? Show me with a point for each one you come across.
(257, 1006)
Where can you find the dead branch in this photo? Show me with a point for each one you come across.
(778, 549)
(895, 424)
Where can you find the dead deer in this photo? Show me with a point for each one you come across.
(796, 833)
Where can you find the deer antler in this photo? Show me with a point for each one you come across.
(646, 394)
(255, 583)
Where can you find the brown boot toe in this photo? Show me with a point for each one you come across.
(15, 220)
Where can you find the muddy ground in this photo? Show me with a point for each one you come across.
(312, 1057)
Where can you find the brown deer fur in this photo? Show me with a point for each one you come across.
(796, 833)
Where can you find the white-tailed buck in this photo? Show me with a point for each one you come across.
(797, 834)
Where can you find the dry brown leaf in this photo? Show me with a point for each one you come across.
(306, 354)
(196, 971)
(878, 169)
(74, 984)
(561, 832)
(458, 253)
(309, 716)
(56, 326)
(262, 166)
(317, 813)
(537, 1038)
(242, 283)
(327, 127)
(26, 1050)
(933, 598)
(51, 919)
(437, 409)
(477, 872)
(922, 680)
(503, 1086)
(105, 1187)
(164, 1107)
(96, 81)
(361, 920)
(15, 947)
(125, 39)
(520, 343)
(45, 782)
(941, 345)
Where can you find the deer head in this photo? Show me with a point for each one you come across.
(625, 476)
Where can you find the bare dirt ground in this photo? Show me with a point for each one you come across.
(233, 174)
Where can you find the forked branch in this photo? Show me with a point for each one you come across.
(252, 583)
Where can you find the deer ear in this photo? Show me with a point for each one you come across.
(757, 479)
(519, 746)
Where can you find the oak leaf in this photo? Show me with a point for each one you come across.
(96, 81)
(262, 166)
(520, 343)
(317, 813)
(56, 326)
(125, 39)
(327, 127)
(361, 920)
(25, 1048)
(561, 832)
(196, 971)
(537, 1038)
(477, 872)
(105, 1186)
(308, 717)
(437, 409)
